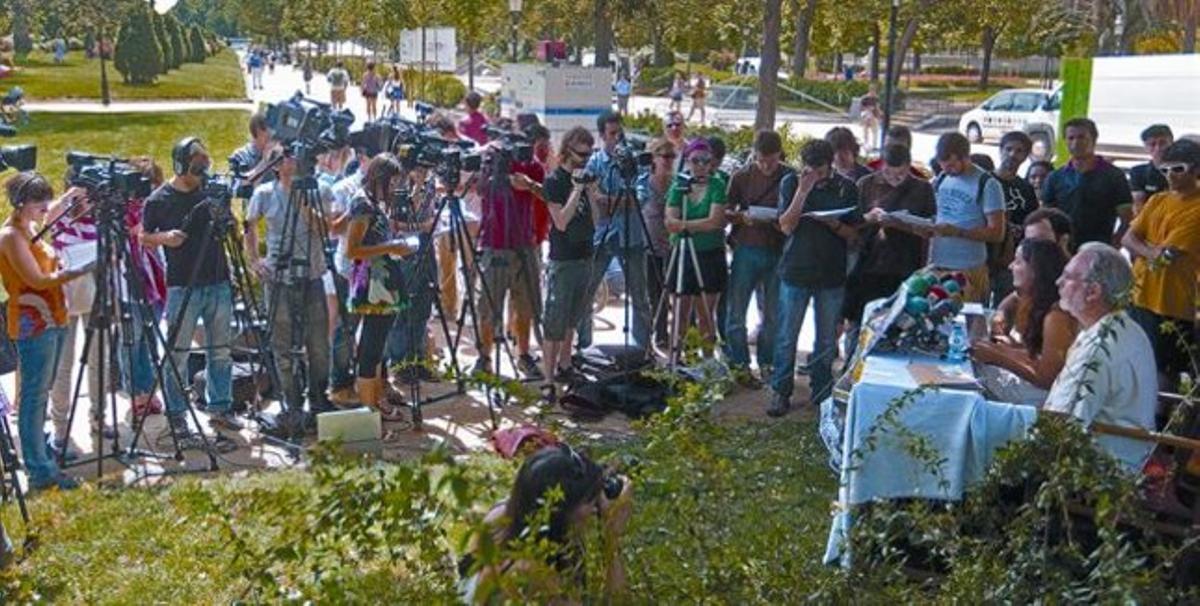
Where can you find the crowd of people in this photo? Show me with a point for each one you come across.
(697, 239)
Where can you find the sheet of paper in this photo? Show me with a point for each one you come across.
(834, 212)
(78, 255)
(908, 218)
(762, 213)
(935, 375)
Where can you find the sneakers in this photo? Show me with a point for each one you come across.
(226, 420)
(183, 435)
(62, 482)
(568, 375)
(56, 446)
(146, 405)
(529, 367)
(779, 405)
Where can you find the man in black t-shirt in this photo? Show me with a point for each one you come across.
(1144, 179)
(812, 267)
(1092, 191)
(1019, 200)
(178, 219)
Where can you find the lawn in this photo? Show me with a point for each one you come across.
(218, 78)
(120, 546)
(128, 135)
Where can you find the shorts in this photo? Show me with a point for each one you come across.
(566, 296)
(337, 95)
(370, 95)
(508, 271)
(713, 271)
(327, 283)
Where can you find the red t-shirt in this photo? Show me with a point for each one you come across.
(474, 127)
(509, 226)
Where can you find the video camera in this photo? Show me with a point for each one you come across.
(103, 175)
(515, 146)
(307, 127)
(630, 157)
(19, 157)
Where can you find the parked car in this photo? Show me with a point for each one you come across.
(1032, 110)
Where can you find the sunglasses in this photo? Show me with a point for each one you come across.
(700, 159)
(674, 124)
(582, 154)
(668, 156)
(1177, 169)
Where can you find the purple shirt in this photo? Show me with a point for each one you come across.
(474, 127)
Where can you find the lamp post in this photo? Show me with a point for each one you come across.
(891, 72)
(514, 9)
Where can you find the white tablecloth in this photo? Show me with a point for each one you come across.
(960, 427)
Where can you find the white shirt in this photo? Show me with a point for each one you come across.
(343, 192)
(1114, 357)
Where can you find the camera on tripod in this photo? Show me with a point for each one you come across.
(514, 146)
(308, 128)
(630, 157)
(19, 157)
(107, 175)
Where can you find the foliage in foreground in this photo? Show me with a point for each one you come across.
(734, 514)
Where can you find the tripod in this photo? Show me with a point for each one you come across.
(683, 251)
(626, 199)
(113, 246)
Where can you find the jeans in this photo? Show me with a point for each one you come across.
(793, 304)
(212, 304)
(406, 339)
(753, 268)
(633, 265)
(301, 302)
(341, 373)
(137, 372)
(37, 359)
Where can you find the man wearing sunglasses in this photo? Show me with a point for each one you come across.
(1165, 242)
(619, 235)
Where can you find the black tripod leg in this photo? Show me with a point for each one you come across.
(8, 458)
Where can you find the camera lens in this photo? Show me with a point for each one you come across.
(613, 485)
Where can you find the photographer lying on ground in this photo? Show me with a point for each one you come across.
(586, 492)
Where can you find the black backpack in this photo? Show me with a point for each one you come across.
(999, 254)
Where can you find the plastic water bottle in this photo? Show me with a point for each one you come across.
(958, 343)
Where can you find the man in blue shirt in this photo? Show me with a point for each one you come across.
(619, 234)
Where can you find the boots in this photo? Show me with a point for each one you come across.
(369, 391)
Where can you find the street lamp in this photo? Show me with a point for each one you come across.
(514, 9)
(891, 72)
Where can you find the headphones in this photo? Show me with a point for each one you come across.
(181, 154)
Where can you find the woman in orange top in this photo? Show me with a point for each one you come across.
(1031, 334)
(36, 315)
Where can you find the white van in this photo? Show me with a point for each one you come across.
(1032, 110)
(1125, 95)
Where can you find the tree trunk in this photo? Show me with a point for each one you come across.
(803, 35)
(470, 65)
(1189, 31)
(662, 56)
(989, 44)
(837, 65)
(877, 38)
(768, 72)
(105, 94)
(22, 43)
(910, 32)
(603, 33)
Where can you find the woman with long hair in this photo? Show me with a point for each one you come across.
(1031, 334)
(376, 282)
(36, 316)
(371, 84)
(555, 495)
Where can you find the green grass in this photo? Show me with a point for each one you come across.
(218, 78)
(128, 135)
(122, 546)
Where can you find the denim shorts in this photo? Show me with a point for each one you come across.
(566, 296)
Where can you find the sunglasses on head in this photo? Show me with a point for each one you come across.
(1177, 168)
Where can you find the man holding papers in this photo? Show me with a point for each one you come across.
(819, 212)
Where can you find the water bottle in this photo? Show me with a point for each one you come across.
(958, 343)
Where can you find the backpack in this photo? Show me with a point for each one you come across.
(999, 254)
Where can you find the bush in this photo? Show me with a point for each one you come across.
(179, 52)
(199, 52)
(444, 90)
(950, 70)
(837, 93)
(354, 65)
(163, 38)
(655, 78)
(721, 60)
(138, 55)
